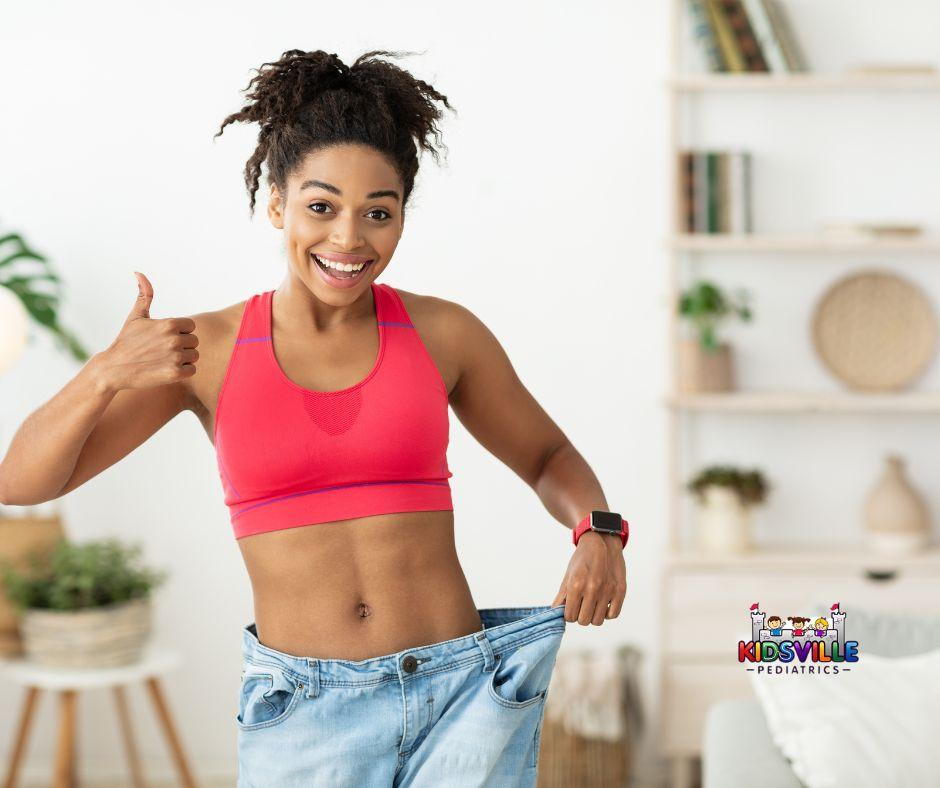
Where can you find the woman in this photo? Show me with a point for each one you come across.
(368, 663)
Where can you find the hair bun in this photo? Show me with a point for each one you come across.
(373, 102)
(281, 88)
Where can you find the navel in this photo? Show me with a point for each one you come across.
(364, 610)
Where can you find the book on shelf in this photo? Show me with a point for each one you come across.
(715, 191)
(742, 36)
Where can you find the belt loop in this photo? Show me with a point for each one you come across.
(489, 659)
(313, 678)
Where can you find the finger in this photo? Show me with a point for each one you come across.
(600, 611)
(141, 307)
(616, 603)
(586, 614)
(572, 607)
(562, 591)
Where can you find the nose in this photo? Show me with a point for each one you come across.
(345, 233)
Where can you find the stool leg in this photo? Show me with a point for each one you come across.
(176, 748)
(127, 734)
(22, 735)
(65, 752)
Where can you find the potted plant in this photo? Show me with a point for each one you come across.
(726, 497)
(30, 277)
(705, 364)
(83, 605)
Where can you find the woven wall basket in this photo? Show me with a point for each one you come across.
(875, 331)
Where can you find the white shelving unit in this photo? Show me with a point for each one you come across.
(696, 587)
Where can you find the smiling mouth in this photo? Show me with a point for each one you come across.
(341, 271)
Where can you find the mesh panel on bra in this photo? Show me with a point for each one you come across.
(334, 414)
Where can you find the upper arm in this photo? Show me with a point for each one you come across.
(491, 401)
(132, 416)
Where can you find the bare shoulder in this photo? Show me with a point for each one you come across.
(448, 330)
(216, 331)
(441, 315)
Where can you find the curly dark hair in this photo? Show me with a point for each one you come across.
(310, 100)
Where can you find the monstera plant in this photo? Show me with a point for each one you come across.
(31, 278)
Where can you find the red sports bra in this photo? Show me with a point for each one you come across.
(288, 456)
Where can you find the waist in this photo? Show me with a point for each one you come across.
(359, 588)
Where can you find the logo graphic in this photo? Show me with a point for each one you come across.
(819, 641)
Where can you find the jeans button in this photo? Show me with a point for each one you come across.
(409, 663)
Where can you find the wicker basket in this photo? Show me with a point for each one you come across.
(20, 538)
(570, 760)
(96, 637)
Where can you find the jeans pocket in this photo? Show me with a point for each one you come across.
(520, 678)
(267, 697)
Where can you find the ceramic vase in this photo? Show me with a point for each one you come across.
(724, 522)
(896, 518)
(702, 370)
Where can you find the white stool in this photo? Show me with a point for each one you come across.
(68, 681)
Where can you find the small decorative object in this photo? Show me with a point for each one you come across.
(85, 605)
(896, 519)
(726, 498)
(875, 331)
(705, 364)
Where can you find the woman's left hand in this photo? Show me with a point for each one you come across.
(596, 578)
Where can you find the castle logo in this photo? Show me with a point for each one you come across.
(807, 645)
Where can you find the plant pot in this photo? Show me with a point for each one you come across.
(896, 520)
(724, 523)
(91, 638)
(20, 538)
(702, 370)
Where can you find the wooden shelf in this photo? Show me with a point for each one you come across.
(819, 557)
(808, 402)
(808, 81)
(792, 242)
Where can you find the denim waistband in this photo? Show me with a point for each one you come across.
(503, 628)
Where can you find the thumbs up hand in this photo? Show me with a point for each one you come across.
(149, 351)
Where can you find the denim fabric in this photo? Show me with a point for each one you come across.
(461, 712)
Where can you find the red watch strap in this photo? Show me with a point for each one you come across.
(585, 525)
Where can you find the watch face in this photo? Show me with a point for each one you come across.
(606, 521)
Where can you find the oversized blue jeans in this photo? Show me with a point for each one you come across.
(461, 712)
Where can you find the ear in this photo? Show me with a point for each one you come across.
(276, 207)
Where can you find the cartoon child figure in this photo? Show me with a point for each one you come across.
(821, 626)
(776, 625)
(799, 623)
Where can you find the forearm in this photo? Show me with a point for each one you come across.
(568, 487)
(46, 447)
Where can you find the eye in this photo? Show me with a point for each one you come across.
(314, 205)
(381, 210)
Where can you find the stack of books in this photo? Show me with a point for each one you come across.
(745, 35)
(715, 191)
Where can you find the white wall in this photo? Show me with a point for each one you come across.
(546, 221)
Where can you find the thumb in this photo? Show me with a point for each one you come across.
(141, 306)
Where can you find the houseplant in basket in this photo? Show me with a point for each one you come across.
(83, 605)
(726, 497)
(705, 364)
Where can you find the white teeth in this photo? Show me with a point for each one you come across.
(340, 266)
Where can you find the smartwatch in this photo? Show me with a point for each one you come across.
(603, 523)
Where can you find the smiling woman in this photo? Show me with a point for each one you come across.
(327, 401)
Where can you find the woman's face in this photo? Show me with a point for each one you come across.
(343, 203)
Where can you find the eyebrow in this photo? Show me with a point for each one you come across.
(331, 188)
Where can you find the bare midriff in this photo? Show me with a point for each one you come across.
(361, 588)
